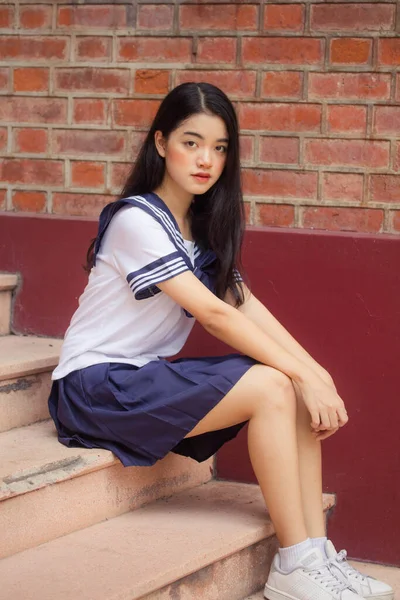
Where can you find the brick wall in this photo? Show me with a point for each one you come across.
(316, 85)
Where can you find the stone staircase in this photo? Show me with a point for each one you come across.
(74, 523)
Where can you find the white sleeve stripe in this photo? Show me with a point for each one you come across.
(167, 274)
(154, 273)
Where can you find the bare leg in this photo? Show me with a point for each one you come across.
(267, 398)
(310, 469)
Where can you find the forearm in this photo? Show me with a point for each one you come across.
(236, 329)
(265, 320)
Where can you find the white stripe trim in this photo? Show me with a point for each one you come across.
(162, 276)
(154, 272)
(165, 218)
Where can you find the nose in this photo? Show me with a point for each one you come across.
(204, 158)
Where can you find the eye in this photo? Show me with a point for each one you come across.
(222, 149)
(190, 142)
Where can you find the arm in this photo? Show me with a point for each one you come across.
(254, 310)
(236, 329)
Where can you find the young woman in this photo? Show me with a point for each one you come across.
(166, 254)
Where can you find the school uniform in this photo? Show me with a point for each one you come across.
(114, 387)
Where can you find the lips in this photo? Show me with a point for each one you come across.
(202, 176)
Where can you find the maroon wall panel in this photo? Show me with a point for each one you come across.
(337, 293)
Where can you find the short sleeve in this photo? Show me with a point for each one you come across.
(142, 251)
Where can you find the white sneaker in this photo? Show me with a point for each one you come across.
(365, 586)
(313, 578)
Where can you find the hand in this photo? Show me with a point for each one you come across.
(325, 406)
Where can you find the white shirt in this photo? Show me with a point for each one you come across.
(122, 316)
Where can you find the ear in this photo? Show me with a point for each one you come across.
(160, 143)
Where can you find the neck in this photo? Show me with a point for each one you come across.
(177, 199)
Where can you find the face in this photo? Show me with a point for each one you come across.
(195, 153)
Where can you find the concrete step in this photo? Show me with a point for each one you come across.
(25, 370)
(48, 490)
(214, 542)
(390, 575)
(8, 282)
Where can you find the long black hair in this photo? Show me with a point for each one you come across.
(217, 216)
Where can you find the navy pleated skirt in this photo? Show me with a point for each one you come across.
(142, 413)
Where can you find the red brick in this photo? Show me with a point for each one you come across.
(247, 212)
(387, 120)
(216, 50)
(350, 51)
(155, 49)
(3, 138)
(6, 16)
(33, 110)
(396, 220)
(32, 48)
(92, 16)
(246, 143)
(86, 205)
(279, 150)
(36, 17)
(33, 79)
(136, 142)
(75, 142)
(3, 197)
(385, 188)
(280, 117)
(87, 174)
(396, 162)
(274, 215)
(357, 86)
(28, 201)
(280, 183)
(32, 171)
(389, 51)
(346, 119)
(292, 50)
(30, 140)
(342, 186)
(151, 81)
(281, 84)
(155, 16)
(138, 113)
(119, 174)
(398, 88)
(343, 219)
(284, 17)
(89, 110)
(352, 17)
(356, 153)
(236, 83)
(220, 17)
(93, 48)
(4, 78)
(90, 79)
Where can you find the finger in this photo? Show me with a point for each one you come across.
(326, 434)
(333, 418)
(325, 420)
(343, 416)
(315, 420)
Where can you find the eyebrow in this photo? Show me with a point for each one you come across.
(201, 137)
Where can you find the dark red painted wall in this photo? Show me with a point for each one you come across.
(337, 293)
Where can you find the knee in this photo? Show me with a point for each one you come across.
(276, 391)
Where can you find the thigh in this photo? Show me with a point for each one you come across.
(261, 387)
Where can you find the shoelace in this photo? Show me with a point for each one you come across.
(347, 569)
(327, 577)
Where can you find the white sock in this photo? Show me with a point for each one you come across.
(290, 555)
(319, 542)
